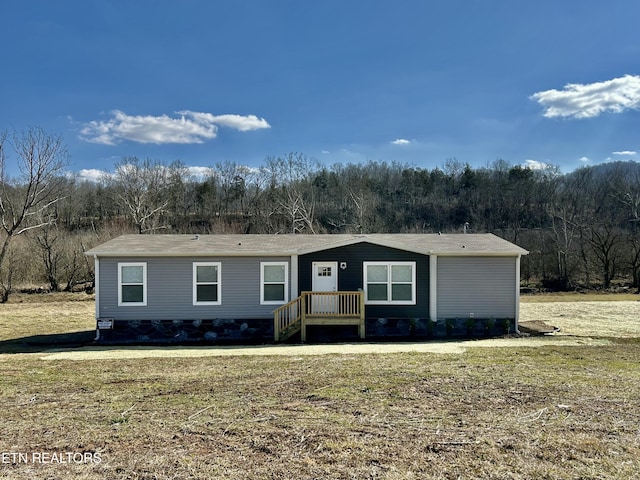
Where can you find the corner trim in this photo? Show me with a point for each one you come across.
(433, 287)
(517, 294)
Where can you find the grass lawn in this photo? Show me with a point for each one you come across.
(549, 412)
(46, 314)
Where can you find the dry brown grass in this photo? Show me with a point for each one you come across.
(46, 314)
(580, 297)
(489, 413)
(618, 319)
(552, 412)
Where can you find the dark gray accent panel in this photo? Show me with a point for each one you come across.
(351, 278)
(484, 286)
(170, 294)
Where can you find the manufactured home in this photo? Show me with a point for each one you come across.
(265, 288)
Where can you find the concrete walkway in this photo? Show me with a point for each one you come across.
(444, 347)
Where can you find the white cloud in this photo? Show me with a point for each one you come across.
(199, 172)
(584, 159)
(91, 175)
(95, 175)
(239, 122)
(401, 141)
(590, 100)
(535, 165)
(190, 127)
(626, 153)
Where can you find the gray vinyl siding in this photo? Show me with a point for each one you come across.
(484, 286)
(170, 289)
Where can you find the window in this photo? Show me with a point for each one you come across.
(132, 284)
(206, 283)
(274, 283)
(390, 283)
(324, 271)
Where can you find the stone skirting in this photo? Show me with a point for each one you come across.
(252, 331)
(211, 331)
(442, 328)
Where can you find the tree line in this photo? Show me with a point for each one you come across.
(581, 228)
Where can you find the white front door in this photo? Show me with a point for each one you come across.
(325, 279)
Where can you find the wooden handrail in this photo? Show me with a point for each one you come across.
(318, 305)
(286, 316)
(332, 304)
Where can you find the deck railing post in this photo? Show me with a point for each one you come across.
(303, 317)
(362, 317)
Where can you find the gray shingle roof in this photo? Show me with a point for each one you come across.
(271, 245)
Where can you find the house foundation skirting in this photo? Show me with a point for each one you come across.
(442, 328)
(252, 331)
(210, 331)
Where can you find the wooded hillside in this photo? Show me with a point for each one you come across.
(581, 228)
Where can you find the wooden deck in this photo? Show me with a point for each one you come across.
(318, 308)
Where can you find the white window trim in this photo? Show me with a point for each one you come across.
(286, 283)
(144, 284)
(195, 282)
(389, 283)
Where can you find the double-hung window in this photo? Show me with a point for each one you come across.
(390, 283)
(132, 284)
(206, 283)
(274, 283)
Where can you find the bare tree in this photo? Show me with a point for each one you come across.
(26, 200)
(629, 195)
(141, 190)
(48, 241)
(290, 181)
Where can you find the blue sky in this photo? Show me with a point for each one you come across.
(417, 82)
